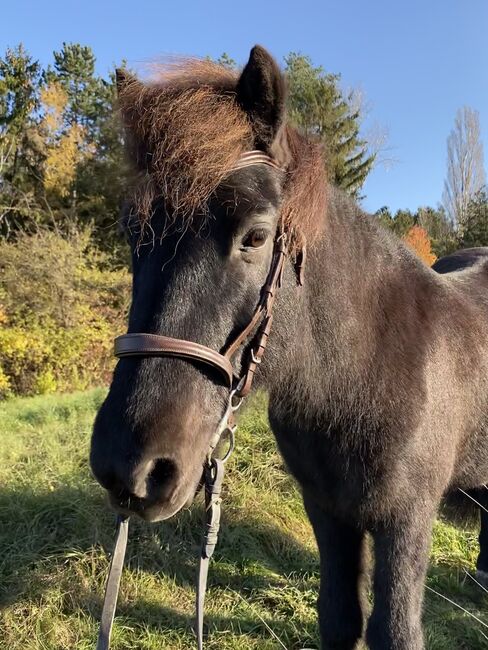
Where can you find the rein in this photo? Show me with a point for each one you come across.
(149, 345)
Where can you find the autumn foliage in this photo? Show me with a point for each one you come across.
(66, 145)
(418, 239)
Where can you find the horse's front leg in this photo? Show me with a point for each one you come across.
(401, 560)
(482, 562)
(340, 601)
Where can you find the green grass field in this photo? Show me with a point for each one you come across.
(56, 530)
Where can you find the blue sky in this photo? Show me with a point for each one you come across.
(415, 61)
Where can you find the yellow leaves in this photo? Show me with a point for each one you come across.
(63, 159)
(67, 145)
(61, 305)
(418, 240)
(45, 383)
(3, 315)
(4, 384)
(13, 343)
(54, 100)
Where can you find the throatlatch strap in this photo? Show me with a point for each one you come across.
(113, 582)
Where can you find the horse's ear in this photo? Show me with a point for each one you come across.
(124, 78)
(261, 91)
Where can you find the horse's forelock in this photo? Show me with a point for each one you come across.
(186, 131)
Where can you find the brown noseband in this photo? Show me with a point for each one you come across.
(155, 345)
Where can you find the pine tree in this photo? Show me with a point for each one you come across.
(74, 69)
(20, 148)
(317, 105)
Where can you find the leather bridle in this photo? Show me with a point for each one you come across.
(155, 345)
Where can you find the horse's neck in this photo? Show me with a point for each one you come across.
(360, 301)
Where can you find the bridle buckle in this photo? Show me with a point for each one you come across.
(255, 359)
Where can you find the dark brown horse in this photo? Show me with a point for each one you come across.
(377, 367)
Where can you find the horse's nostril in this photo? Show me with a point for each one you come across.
(162, 472)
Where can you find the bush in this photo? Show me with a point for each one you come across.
(61, 303)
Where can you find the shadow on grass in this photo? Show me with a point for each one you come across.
(446, 624)
(160, 619)
(41, 533)
(60, 540)
(70, 521)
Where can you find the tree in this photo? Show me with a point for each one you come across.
(317, 105)
(227, 61)
(399, 223)
(465, 171)
(434, 221)
(475, 231)
(418, 240)
(74, 70)
(61, 154)
(384, 217)
(439, 228)
(65, 145)
(92, 140)
(20, 148)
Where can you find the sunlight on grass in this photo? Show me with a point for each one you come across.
(56, 530)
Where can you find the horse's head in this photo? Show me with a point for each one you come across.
(202, 240)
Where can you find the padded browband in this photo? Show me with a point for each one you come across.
(254, 157)
(154, 345)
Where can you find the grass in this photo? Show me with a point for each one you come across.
(56, 532)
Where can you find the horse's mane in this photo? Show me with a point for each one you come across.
(185, 131)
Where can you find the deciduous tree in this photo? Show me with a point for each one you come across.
(465, 170)
(418, 239)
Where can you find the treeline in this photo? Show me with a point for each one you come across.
(444, 235)
(61, 153)
(64, 276)
(61, 159)
(64, 284)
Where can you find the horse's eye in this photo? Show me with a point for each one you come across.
(255, 238)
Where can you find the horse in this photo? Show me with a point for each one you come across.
(376, 366)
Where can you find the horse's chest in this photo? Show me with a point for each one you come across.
(341, 474)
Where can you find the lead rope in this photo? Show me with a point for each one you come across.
(113, 583)
(214, 476)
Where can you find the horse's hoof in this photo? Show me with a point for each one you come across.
(482, 578)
